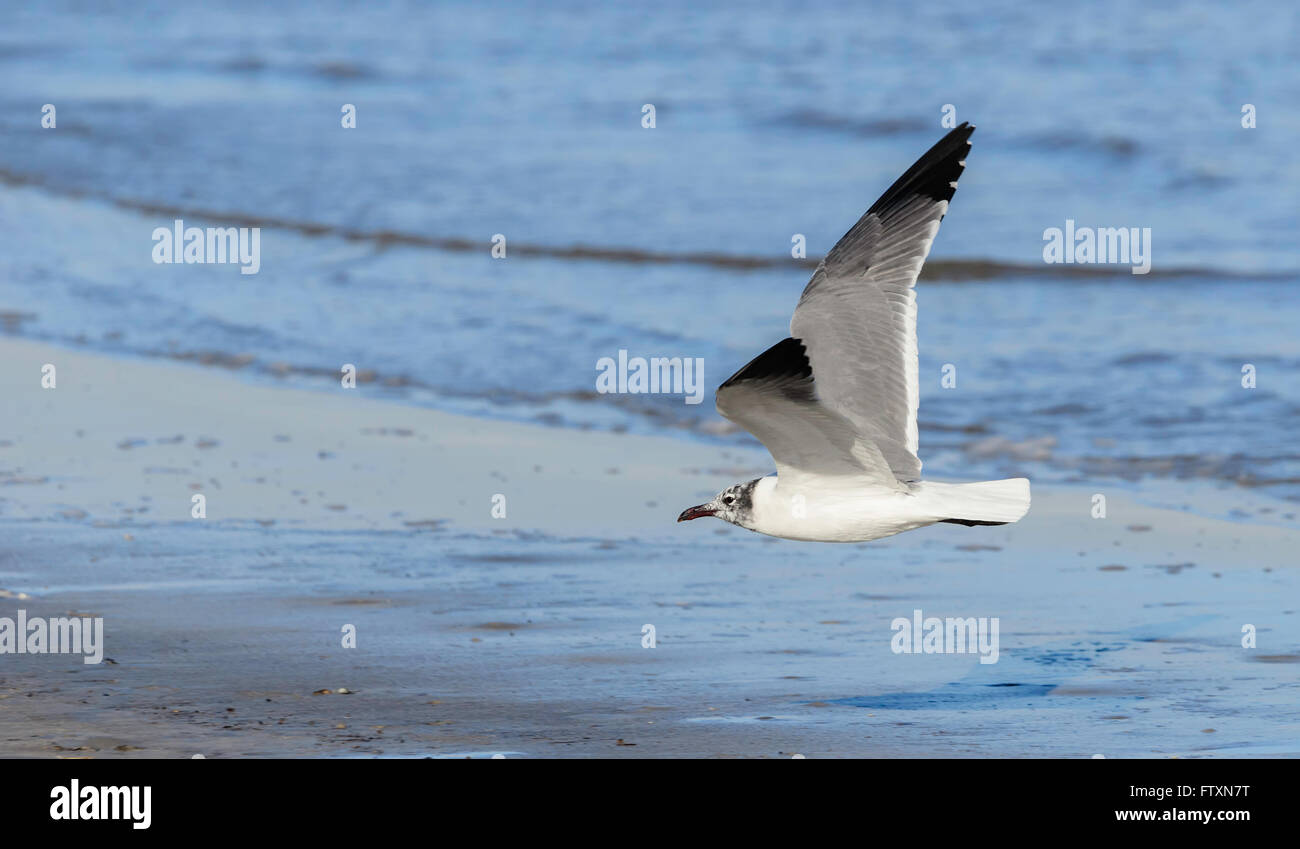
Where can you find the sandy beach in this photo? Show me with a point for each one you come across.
(522, 635)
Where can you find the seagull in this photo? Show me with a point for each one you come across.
(835, 403)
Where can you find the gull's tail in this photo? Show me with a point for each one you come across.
(986, 503)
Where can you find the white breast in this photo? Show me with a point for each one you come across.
(834, 510)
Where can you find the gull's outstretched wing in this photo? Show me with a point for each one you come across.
(857, 315)
(775, 398)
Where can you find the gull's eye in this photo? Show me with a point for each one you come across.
(728, 500)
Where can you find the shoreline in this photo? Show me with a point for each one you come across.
(523, 635)
(123, 439)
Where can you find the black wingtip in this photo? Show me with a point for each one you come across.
(782, 368)
(786, 360)
(934, 175)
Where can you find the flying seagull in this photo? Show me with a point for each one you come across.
(835, 403)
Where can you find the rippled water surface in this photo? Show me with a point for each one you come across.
(477, 119)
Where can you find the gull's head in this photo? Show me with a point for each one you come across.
(735, 504)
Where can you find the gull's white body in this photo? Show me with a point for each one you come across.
(835, 403)
(834, 512)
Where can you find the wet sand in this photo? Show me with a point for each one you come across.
(523, 635)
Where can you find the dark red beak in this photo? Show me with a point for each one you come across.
(695, 513)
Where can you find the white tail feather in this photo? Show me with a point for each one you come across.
(988, 501)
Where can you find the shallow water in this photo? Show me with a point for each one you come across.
(531, 646)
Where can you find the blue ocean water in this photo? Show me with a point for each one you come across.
(476, 119)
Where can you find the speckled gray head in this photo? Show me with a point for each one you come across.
(735, 504)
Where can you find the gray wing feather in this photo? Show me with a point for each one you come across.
(857, 315)
(774, 397)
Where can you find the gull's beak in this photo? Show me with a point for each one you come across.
(696, 512)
